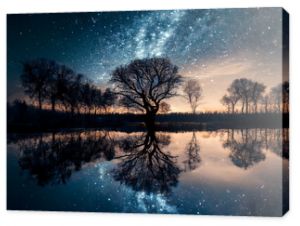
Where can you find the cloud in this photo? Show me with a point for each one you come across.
(216, 68)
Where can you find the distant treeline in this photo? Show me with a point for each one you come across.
(247, 96)
(22, 118)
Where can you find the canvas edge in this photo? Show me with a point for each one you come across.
(285, 76)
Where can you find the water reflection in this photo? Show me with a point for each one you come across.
(52, 159)
(245, 148)
(159, 167)
(143, 162)
(145, 166)
(246, 145)
(193, 158)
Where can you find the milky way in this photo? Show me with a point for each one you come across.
(214, 46)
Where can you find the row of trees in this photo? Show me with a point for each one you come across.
(142, 85)
(54, 84)
(249, 95)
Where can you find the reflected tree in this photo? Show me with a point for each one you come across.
(277, 141)
(245, 148)
(193, 154)
(145, 166)
(254, 140)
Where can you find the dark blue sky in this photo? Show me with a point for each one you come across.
(214, 46)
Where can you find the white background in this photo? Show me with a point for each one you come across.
(64, 218)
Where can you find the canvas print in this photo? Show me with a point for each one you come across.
(167, 111)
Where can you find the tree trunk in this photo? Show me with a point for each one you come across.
(150, 120)
(247, 106)
(255, 107)
(194, 110)
(53, 105)
(243, 105)
(40, 103)
(232, 108)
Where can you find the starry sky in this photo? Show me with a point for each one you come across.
(213, 46)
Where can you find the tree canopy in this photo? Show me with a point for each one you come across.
(193, 93)
(144, 83)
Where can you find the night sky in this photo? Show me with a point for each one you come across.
(214, 46)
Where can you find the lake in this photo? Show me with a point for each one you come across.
(222, 172)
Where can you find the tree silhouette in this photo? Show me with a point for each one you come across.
(58, 85)
(108, 99)
(45, 79)
(256, 94)
(143, 84)
(36, 77)
(246, 91)
(277, 100)
(266, 102)
(276, 97)
(226, 102)
(72, 94)
(97, 99)
(164, 107)
(86, 97)
(193, 93)
(230, 102)
(242, 89)
(285, 96)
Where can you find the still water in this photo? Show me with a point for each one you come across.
(223, 172)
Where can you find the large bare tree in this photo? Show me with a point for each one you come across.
(193, 93)
(144, 83)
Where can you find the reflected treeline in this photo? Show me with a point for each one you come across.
(53, 158)
(145, 165)
(247, 145)
(143, 161)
